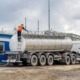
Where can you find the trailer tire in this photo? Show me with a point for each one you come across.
(67, 60)
(34, 60)
(50, 60)
(42, 60)
(73, 60)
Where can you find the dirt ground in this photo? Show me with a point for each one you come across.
(55, 72)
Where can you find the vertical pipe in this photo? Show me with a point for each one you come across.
(49, 15)
(25, 24)
(38, 26)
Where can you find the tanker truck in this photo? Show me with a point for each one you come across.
(35, 49)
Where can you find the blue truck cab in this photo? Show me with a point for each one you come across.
(4, 46)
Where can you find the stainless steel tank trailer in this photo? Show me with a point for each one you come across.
(36, 49)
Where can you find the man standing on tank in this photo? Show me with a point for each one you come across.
(19, 30)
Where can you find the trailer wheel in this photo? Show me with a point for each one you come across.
(34, 60)
(73, 60)
(50, 60)
(42, 60)
(67, 60)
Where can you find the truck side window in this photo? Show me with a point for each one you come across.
(1, 47)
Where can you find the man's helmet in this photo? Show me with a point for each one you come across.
(21, 24)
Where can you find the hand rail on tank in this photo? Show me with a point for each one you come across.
(52, 34)
(43, 35)
(11, 32)
(59, 34)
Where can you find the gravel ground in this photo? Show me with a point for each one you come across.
(56, 72)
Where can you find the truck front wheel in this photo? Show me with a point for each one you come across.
(50, 60)
(67, 60)
(73, 60)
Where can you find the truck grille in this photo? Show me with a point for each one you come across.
(10, 56)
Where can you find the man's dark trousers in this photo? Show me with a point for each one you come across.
(19, 35)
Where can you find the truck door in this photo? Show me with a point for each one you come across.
(2, 56)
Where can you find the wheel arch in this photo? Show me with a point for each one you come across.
(39, 54)
(47, 55)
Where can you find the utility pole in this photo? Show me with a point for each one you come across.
(38, 27)
(49, 15)
(25, 24)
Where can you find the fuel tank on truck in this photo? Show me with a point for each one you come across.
(40, 42)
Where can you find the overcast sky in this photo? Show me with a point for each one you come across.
(65, 14)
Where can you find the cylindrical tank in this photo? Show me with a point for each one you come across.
(38, 43)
